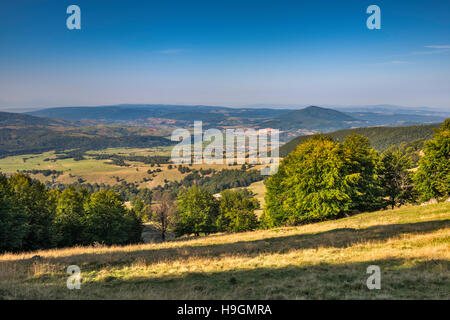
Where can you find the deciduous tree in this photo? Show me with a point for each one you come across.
(237, 211)
(197, 211)
(432, 179)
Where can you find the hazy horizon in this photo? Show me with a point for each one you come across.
(343, 108)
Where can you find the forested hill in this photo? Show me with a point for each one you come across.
(8, 119)
(37, 140)
(315, 118)
(22, 133)
(381, 138)
(130, 112)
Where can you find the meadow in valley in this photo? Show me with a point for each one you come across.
(326, 260)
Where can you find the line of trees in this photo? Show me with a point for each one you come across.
(196, 211)
(324, 178)
(45, 173)
(35, 140)
(214, 181)
(34, 217)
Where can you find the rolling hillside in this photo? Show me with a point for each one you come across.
(133, 112)
(381, 138)
(287, 120)
(38, 140)
(27, 134)
(327, 260)
(9, 119)
(313, 118)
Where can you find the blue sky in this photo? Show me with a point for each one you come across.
(225, 52)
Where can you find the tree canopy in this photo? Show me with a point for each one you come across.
(321, 179)
(32, 217)
(237, 211)
(197, 212)
(432, 179)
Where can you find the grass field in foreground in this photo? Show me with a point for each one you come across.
(325, 260)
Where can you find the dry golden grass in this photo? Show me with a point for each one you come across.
(317, 261)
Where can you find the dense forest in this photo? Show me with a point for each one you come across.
(34, 217)
(380, 138)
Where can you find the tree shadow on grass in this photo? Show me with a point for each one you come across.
(336, 238)
(400, 279)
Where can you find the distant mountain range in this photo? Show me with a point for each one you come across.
(128, 112)
(147, 125)
(292, 122)
(312, 118)
(379, 108)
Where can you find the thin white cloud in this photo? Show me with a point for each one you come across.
(170, 51)
(400, 62)
(393, 62)
(439, 47)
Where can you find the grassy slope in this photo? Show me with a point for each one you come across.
(323, 260)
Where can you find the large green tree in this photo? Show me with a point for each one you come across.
(361, 164)
(322, 179)
(237, 211)
(70, 217)
(32, 198)
(197, 210)
(109, 222)
(310, 184)
(432, 178)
